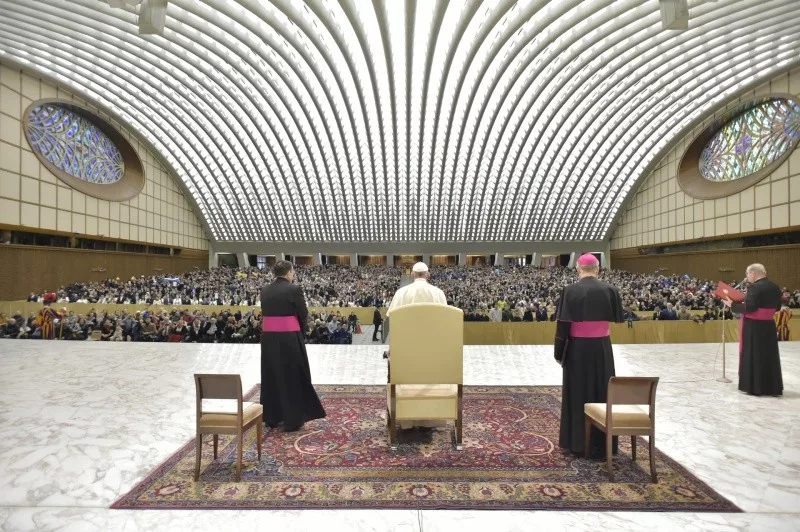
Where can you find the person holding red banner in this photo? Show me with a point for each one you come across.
(759, 359)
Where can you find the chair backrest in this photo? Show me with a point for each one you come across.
(633, 391)
(95, 335)
(218, 386)
(427, 344)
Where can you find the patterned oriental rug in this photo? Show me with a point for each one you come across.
(511, 460)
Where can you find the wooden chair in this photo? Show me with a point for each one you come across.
(95, 335)
(219, 419)
(426, 374)
(626, 397)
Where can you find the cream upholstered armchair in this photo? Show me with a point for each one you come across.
(426, 366)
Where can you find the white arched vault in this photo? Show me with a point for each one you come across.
(360, 121)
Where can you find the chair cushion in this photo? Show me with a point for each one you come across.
(426, 401)
(622, 416)
(227, 419)
(426, 391)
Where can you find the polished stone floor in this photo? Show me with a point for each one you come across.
(83, 422)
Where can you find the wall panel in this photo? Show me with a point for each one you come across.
(771, 204)
(781, 263)
(26, 185)
(26, 269)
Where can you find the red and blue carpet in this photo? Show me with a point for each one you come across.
(510, 460)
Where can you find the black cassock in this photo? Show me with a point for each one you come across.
(588, 363)
(287, 394)
(759, 362)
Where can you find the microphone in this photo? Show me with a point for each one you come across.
(741, 283)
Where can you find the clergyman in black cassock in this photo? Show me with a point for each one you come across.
(583, 348)
(287, 394)
(759, 359)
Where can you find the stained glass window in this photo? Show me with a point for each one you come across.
(73, 144)
(751, 141)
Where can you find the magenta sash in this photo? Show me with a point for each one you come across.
(589, 329)
(761, 314)
(280, 324)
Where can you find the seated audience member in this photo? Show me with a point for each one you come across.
(149, 330)
(527, 316)
(668, 313)
(196, 332)
(107, 330)
(684, 314)
(541, 312)
(342, 336)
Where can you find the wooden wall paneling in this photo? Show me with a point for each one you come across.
(781, 263)
(26, 269)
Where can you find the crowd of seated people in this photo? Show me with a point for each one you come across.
(331, 328)
(329, 286)
(227, 326)
(485, 293)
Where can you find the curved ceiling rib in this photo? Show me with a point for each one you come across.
(360, 121)
(647, 94)
(649, 101)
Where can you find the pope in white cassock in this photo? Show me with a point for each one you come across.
(420, 291)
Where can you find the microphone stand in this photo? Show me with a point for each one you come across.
(723, 378)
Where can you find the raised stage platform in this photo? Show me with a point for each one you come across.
(82, 422)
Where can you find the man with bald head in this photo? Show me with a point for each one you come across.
(583, 348)
(759, 360)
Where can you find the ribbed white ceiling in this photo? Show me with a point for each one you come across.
(385, 120)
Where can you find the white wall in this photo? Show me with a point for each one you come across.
(661, 213)
(31, 196)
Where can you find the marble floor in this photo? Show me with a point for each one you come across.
(82, 423)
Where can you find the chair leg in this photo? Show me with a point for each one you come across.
(216, 441)
(391, 417)
(609, 461)
(587, 432)
(197, 451)
(653, 475)
(239, 439)
(633, 448)
(459, 433)
(393, 434)
(259, 423)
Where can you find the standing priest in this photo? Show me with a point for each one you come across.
(287, 394)
(759, 360)
(583, 348)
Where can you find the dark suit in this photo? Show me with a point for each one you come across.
(377, 320)
(287, 394)
(667, 314)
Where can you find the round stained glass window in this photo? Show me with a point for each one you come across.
(73, 144)
(751, 141)
(83, 150)
(741, 147)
